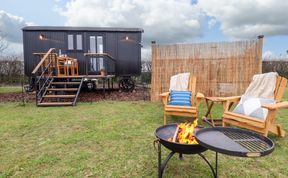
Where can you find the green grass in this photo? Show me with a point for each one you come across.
(110, 139)
(8, 89)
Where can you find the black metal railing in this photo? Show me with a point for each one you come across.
(107, 61)
(43, 73)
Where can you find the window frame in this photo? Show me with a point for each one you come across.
(68, 42)
(75, 44)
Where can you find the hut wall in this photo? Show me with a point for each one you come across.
(222, 69)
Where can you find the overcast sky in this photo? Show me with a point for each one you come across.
(165, 21)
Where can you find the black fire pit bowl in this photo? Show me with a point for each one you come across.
(165, 132)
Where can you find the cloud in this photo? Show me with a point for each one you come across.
(267, 54)
(11, 27)
(211, 23)
(164, 21)
(249, 18)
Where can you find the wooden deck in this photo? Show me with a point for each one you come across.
(86, 76)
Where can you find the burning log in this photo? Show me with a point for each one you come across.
(175, 134)
(184, 133)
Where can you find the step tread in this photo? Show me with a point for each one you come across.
(55, 104)
(63, 83)
(59, 96)
(65, 76)
(62, 89)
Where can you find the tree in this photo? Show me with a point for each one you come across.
(3, 43)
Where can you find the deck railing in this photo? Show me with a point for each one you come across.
(106, 56)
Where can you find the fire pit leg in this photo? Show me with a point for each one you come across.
(214, 172)
(216, 165)
(181, 156)
(161, 166)
(159, 160)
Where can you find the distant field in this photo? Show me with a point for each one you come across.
(8, 89)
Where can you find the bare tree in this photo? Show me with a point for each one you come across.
(3, 43)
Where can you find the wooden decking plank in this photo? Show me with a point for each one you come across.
(62, 89)
(59, 96)
(64, 83)
(56, 104)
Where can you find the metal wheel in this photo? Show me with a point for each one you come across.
(91, 85)
(126, 84)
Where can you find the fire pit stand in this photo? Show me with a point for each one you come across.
(162, 165)
(168, 131)
(225, 140)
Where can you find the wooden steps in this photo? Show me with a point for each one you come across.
(62, 89)
(59, 96)
(65, 83)
(56, 92)
(56, 104)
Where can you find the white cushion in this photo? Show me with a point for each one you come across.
(179, 82)
(251, 106)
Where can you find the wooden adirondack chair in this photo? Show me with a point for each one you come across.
(261, 126)
(187, 111)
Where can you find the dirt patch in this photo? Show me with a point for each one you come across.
(114, 95)
(85, 96)
(16, 97)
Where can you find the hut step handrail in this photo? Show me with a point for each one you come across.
(42, 61)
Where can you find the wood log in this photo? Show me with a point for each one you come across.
(175, 134)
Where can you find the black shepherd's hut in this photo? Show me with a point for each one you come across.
(123, 44)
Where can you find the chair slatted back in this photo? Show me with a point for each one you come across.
(192, 87)
(280, 88)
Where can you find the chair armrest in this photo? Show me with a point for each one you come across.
(199, 97)
(165, 97)
(230, 98)
(275, 106)
(165, 94)
(229, 101)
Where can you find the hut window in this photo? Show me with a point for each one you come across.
(100, 50)
(93, 62)
(70, 42)
(79, 42)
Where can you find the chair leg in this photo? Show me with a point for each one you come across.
(224, 123)
(276, 129)
(164, 119)
(265, 134)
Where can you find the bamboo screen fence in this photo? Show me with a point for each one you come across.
(222, 69)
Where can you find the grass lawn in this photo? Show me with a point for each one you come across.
(110, 139)
(7, 89)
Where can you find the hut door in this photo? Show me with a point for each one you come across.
(95, 46)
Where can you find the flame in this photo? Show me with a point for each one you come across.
(185, 134)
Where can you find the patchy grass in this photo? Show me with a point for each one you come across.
(9, 89)
(110, 139)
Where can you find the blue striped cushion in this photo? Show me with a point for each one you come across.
(180, 98)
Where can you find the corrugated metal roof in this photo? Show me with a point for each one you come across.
(72, 28)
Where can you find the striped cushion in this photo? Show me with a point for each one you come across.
(180, 98)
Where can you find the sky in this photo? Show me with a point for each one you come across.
(163, 21)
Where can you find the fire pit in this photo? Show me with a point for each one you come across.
(165, 135)
(225, 140)
(235, 142)
(168, 137)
